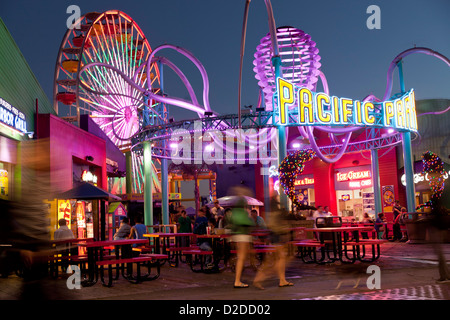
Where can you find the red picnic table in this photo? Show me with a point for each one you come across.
(182, 242)
(62, 252)
(339, 242)
(123, 255)
(219, 252)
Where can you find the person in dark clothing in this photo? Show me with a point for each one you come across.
(439, 224)
(185, 223)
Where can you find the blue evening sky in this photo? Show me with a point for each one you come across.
(354, 59)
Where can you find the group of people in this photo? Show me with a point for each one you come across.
(239, 221)
(381, 224)
(126, 231)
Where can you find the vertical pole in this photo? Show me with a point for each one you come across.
(376, 181)
(407, 154)
(266, 190)
(409, 171)
(148, 197)
(103, 221)
(164, 164)
(165, 191)
(284, 203)
(266, 177)
(147, 163)
(129, 168)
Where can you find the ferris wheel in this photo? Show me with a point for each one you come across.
(114, 38)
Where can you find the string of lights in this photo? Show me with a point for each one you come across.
(433, 166)
(290, 167)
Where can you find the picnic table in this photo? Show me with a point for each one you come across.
(220, 251)
(62, 251)
(341, 239)
(96, 260)
(182, 242)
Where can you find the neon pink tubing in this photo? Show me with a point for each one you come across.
(167, 100)
(196, 62)
(403, 54)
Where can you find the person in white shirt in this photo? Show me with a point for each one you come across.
(217, 210)
(63, 231)
(319, 213)
(326, 209)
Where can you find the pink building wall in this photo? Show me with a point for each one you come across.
(68, 143)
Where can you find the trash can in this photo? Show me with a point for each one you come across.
(416, 226)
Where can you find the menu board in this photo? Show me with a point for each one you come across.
(65, 211)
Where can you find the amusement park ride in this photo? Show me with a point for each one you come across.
(107, 69)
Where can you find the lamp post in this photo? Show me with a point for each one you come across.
(148, 183)
(407, 153)
(276, 62)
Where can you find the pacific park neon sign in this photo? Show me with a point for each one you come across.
(321, 109)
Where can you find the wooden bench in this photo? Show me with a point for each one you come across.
(268, 249)
(63, 261)
(307, 250)
(146, 248)
(308, 244)
(150, 259)
(258, 253)
(200, 254)
(375, 243)
(176, 253)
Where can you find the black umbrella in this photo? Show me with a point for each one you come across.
(87, 191)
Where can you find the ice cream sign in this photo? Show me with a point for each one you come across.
(355, 179)
(353, 175)
(12, 117)
(301, 106)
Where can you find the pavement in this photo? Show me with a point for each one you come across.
(407, 272)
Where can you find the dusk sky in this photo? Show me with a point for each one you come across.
(355, 59)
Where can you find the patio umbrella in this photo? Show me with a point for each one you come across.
(229, 201)
(87, 191)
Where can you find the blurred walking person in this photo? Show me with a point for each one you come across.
(30, 232)
(241, 225)
(278, 224)
(439, 224)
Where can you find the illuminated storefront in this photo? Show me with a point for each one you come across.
(354, 192)
(421, 183)
(13, 129)
(17, 112)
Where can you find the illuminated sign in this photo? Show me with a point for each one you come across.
(304, 181)
(311, 108)
(65, 211)
(81, 216)
(353, 175)
(273, 172)
(12, 117)
(418, 177)
(172, 196)
(88, 176)
(360, 184)
(345, 197)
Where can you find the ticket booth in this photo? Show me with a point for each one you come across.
(116, 213)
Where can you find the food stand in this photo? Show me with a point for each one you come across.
(88, 207)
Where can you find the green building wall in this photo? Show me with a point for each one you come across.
(18, 85)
